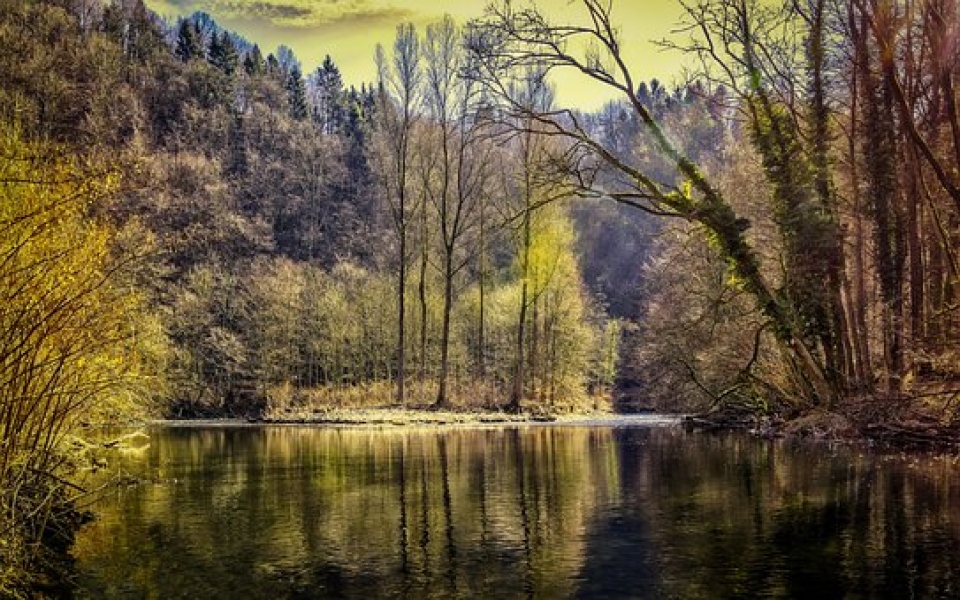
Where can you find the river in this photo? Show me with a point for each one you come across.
(637, 510)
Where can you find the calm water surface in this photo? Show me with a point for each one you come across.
(551, 512)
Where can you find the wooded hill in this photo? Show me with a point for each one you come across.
(256, 212)
(192, 226)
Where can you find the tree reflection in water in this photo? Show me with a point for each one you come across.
(520, 512)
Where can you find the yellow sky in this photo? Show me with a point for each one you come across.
(348, 30)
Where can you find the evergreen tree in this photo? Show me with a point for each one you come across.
(215, 51)
(189, 42)
(273, 66)
(113, 24)
(329, 107)
(354, 115)
(297, 94)
(287, 60)
(223, 53)
(253, 63)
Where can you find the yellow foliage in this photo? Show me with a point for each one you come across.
(551, 256)
(68, 330)
(560, 344)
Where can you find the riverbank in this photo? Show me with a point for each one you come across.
(906, 430)
(907, 427)
(416, 417)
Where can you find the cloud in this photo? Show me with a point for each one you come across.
(274, 12)
(301, 13)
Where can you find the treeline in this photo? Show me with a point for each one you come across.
(210, 229)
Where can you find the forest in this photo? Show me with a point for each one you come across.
(193, 226)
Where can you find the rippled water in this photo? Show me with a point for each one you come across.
(596, 511)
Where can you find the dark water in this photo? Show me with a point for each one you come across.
(591, 512)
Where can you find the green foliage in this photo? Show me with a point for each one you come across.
(253, 63)
(189, 41)
(222, 53)
(807, 233)
(564, 330)
(251, 197)
(297, 94)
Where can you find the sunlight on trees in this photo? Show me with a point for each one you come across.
(70, 337)
(777, 236)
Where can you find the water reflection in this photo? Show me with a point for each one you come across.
(520, 512)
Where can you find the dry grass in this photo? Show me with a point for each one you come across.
(374, 404)
(397, 417)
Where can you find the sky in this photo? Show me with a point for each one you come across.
(348, 30)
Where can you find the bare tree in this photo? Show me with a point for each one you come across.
(399, 85)
(451, 102)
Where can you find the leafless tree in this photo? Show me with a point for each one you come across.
(400, 90)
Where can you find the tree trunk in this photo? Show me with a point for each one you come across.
(858, 297)
(519, 374)
(915, 254)
(481, 359)
(536, 378)
(880, 152)
(516, 391)
(834, 329)
(422, 293)
(442, 400)
(401, 316)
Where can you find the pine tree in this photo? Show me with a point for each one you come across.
(223, 53)
(215, 51)
(287, 60)
(273, 67)
(297, 94)
(253, 63)
(189, 42)
(329, 108)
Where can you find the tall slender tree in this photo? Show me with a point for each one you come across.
(399, 97)
(329, 106)
(297, 94)
(222, 53)
(451, 100)
(253, 63)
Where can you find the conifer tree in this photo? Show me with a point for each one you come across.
(297, 94)
(253, 63)
(189, 41)
(329, 109)
(223, 53)
(273, 67)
